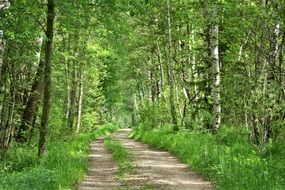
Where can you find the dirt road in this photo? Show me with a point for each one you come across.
(153, 169)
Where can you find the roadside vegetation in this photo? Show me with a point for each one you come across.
(63, 166)
(228, 158)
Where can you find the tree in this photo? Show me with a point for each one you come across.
(215, 70)
(170, 69)
(47, 76)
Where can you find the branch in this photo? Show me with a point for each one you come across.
(41, 25)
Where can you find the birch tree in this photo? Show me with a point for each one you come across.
(214, 40)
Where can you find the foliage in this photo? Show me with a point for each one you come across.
(63, 166)
(149, 63)
(226, 158)
(153, 115)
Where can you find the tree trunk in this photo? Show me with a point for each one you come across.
(9, 128)
(170, 70)
(161, 72)
(270, 82)
(134, 110)
(260, 80)
(215, 72)
(66, 106)
(47, 77)
(30, 109)
(3, 68)
(72, 106)
(80, 99)
(280, 59)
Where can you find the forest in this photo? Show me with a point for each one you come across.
(201, 79)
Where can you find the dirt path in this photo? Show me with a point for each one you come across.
(153, 169)
(102, 170)
(159, 169)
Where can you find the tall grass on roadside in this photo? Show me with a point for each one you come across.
(228, 158)
(62, 167)
(121, 156)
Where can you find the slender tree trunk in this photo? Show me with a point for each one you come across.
(3, 68)
(161, 71)
(9, 128)
(66, 106)
(47, 76)
(270, 82)
(72, 106)
(80, 99)
(260, 80)
(184, 72)
(2, 46)
(192, 62)
(134, 111)
(32, 103)
(3, 5)
(215, 72)
(170, 69)
(153, 80)
(281, 59)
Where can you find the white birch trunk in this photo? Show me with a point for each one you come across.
(192, 62)
(215, 72)
(80, 101)
(161, 70)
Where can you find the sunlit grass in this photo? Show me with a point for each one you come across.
(63, 166)
(228, 159)
(121, 156)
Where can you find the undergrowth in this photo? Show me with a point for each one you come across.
(228, 158)
(62, 167)
(121, 156)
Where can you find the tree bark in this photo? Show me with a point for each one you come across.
(66, 106)
(72, 96)
(161, 72)
(47, 76)
(80, 98)
(9, 128)
(215, 71)
(271, 77)
(170, 69)
(30, 109)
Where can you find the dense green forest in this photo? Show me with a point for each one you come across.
(203, 79)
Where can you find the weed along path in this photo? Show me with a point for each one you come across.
(102, 170)
(156, 169)
(151, 169)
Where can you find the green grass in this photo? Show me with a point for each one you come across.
(227, 159)
(121, 156)
(62, 167)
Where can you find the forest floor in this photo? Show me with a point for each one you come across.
(152, 169)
